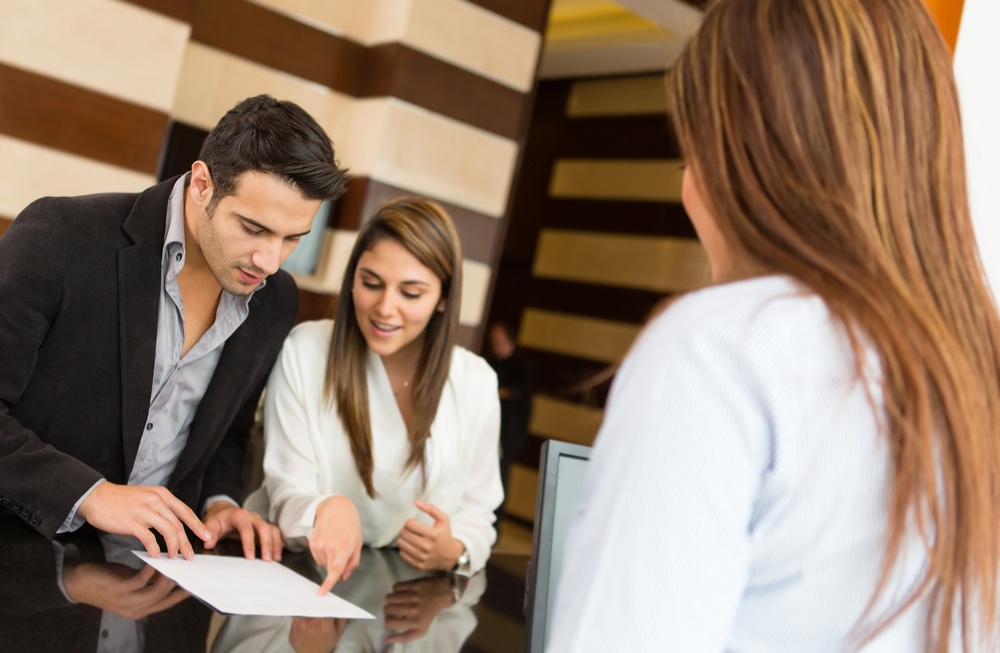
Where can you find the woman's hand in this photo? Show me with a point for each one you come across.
(429, 547)
(411, 607)
(320, 634)
(335, 542)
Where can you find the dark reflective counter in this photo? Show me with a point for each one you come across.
(126, 606)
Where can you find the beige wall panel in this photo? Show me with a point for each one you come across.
(661, 264)
(29, 172)
(564, 420)
(456, 31)
(212, 82)
(429, 154)
(618, 97)
(364, 127)
(475, 288)
(389, 140)
(331, 263)
(617, 179)
(468, 36)
(521, 492)
(573, 335)
(103, 45)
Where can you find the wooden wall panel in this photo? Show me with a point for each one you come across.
(64, 117)
(478, 232)
(622, 137)
(653, 218)
(277, 41)
(181, 10)
(570, 371)
(534, 15)
(402, 72)
(591, 300)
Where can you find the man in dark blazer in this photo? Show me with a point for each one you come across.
(137, 332)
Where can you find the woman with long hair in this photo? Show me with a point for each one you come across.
(378, 428)
(805, 456)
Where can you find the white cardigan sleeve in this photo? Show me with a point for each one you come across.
(292, 455)
(472, 522)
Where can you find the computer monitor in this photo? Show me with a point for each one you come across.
(561, 475)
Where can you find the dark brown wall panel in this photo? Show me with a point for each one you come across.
(5, 222)
(530, 13)
(568, 378)
(553, 136)
(179, 9)
(64, 117)
(277, 41)
(632, 218)
(354, 206)
(478, 232)
(315, 306)
(399, 71)
(181, 149)
(626, 137)
(627, 305)
(527, 213)
(271, 39)
(469, 337)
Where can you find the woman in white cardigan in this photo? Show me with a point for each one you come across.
(379, 429)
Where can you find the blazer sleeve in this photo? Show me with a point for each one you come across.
(33, 255)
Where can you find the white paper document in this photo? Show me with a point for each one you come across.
(235, 585)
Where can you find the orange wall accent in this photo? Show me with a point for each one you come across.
(948, 15)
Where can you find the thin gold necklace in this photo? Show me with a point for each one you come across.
(405, 385)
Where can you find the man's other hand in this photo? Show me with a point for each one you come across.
(223, 518)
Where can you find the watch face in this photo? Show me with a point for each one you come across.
(462, 559)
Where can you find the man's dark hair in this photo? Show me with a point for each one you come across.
(262, 134)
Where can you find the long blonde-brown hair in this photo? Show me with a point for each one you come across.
(826, 139)
(426, 231)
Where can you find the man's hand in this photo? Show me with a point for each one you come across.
(335, 542)
(223, 518)
(429, 547)
(134, 509)
(122, 590)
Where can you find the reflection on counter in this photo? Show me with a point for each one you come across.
(414, 612)
(84, 592)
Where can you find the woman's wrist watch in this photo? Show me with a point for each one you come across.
(463, 559)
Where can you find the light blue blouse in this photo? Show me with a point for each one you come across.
(737, 494)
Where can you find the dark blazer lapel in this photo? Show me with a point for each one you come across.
(139, 271)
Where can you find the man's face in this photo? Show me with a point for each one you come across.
(250, 233)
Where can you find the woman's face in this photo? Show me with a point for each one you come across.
(706, 227)
(395, 296)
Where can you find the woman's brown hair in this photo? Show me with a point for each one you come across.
(826, 140)
(426, 231)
